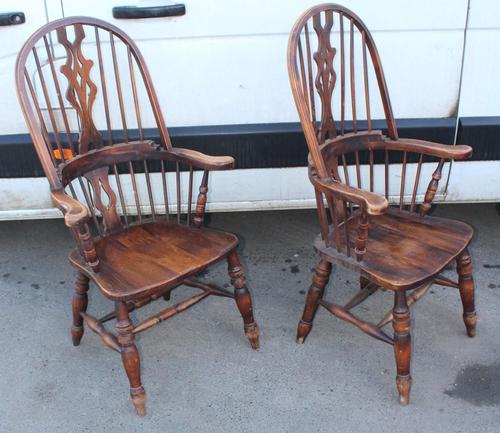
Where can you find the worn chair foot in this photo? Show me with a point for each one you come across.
(139, 400)
(252, 333)
(403, 384)
(303, 331)
(76, 334)
(470, 320)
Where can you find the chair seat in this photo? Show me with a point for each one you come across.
(403, 250)
(145, 258)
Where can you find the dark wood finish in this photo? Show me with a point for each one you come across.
(79, 306)
(466, 287)
(134, 247)
(402, 345)
(314, 295)
(390, 258)
(243, 298)
(368, 224)
(153, 256)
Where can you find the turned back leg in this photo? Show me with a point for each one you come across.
(466, 286)
(314, 295)
(402, 345)
(79, 305)
(243, 298)
(130, 357)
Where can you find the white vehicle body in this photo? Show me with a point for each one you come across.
(220, 72)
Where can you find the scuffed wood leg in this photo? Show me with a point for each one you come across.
(79, 305)
(466, 287)
(130, 357)
(314, 295)
(243, 298)
(363, 282)
(402, 346)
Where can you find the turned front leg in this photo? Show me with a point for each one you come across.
(243, 298)
(466, 287)
(402, 345)
(79, 305)
(130, 357)
(314, 295)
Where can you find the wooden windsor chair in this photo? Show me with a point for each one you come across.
(354, 168)
(139, 233)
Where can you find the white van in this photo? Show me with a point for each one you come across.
(220, 73)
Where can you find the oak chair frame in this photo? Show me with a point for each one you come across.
(89, 159)
(353, 210)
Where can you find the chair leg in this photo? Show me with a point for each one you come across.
(402, 345)
(130, 357)
(363, 282)
(314, 295)
(466, 287)
(79, 305)
(243, 298)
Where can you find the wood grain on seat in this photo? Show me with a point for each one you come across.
(153, 256)
(403, 249)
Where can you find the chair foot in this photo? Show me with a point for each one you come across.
(76, 335)
(139, 400)
(403, 384)
(314, 295)
(243, 299)
(470, 321)
(303, 331)
(79, 305)
(252, 333)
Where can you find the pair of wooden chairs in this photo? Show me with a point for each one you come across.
(139, 230)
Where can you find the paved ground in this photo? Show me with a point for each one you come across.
(199, 372)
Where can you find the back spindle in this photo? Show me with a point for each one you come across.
(201, 201)
(432, 188)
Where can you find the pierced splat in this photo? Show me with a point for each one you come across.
(81, 91)
(325, 76)
(106, 203)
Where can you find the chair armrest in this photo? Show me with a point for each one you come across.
(200, 160)
(430, 148)
(374, 204)
(74, 212)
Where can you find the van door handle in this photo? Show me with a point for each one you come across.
(135, 12)
(12, 18)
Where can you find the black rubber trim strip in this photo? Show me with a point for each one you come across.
(275, 145)
(483, 134)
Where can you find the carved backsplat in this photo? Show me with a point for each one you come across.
(82, 91)
(99, 180)
(325, 76)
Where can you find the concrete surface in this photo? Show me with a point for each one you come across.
(199, 372)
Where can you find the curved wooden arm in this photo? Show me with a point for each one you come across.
(74, 212)
(374, 204)
(200, 160)
(429, 148)
(75, 217)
